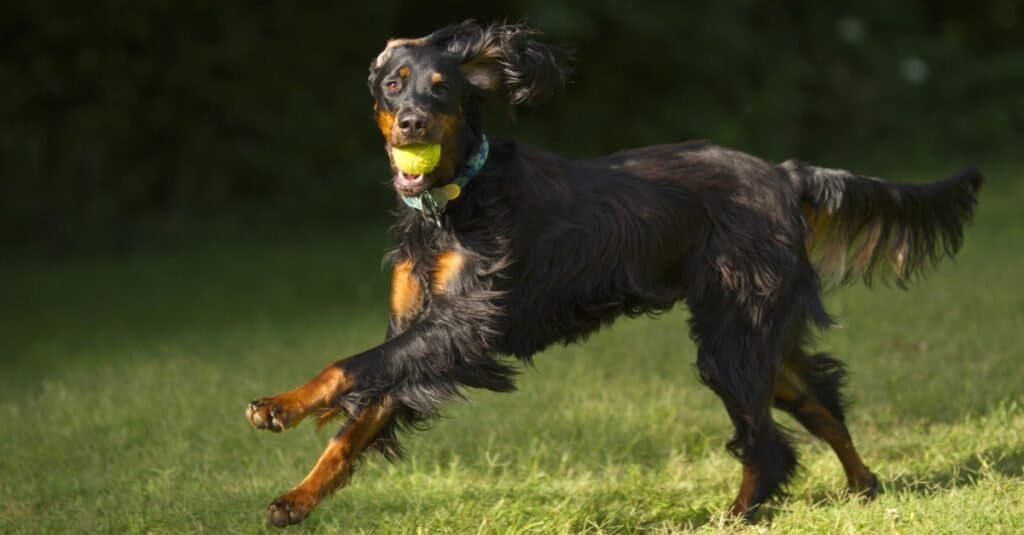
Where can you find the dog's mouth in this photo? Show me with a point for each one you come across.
(410, 185)
(415, 165)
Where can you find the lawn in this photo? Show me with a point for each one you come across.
(124, 379)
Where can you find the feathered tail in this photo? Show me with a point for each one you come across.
(864, 227)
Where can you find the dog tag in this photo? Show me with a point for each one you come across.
(452, 191)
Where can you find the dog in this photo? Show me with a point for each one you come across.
(506, 249)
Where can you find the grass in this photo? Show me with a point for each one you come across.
(123, 382)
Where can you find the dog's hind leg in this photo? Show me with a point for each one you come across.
(808, 387)
(736, 358)
(768, 461)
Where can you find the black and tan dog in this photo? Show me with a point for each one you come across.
(533, 249)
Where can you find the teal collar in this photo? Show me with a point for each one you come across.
(431, 203)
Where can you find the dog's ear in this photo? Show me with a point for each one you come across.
(506, 59)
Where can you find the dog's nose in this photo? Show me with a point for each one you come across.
(412, 123)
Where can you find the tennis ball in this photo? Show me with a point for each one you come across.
(416, 159)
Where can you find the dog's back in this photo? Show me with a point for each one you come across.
(629, 233)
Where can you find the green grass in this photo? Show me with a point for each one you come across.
(123, 383)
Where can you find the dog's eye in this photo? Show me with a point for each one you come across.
(441, 88)
(392, 86)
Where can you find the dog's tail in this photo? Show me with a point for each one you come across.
(863, 227)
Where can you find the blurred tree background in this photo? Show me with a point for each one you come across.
(122, 123)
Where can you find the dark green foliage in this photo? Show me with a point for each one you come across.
(117, 117)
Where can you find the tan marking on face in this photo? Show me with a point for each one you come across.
(403, 72)
(385, 120)
(449, 264)
(406, 292)
(436, 78)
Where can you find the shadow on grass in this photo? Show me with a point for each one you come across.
(617, 510)
(608, 511)
(639, 510)
(1005, 461)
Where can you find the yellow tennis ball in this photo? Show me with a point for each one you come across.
(416, 159)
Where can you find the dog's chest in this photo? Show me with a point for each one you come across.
(416, 281)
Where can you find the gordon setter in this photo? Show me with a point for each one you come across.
(506, 249)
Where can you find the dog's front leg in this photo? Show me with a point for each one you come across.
(427, 359)
(335, 465)
(407, 374)
(287, 409)
(365, 376)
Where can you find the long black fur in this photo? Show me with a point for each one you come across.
(526, 69)
(870, 225)
(555, 249)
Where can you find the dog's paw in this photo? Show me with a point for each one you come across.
(866, 486)
(274, 413)
(290, 508)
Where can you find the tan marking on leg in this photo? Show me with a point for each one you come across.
(820, 422)
(859, 479)
(449, 264)
(287, 409)
(406, 293)
(334, 467)
(788, 385)
(746, 493)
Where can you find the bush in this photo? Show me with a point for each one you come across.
(118, 114)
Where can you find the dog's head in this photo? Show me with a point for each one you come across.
(428, 90)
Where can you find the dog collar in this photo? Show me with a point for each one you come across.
(431, 203)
